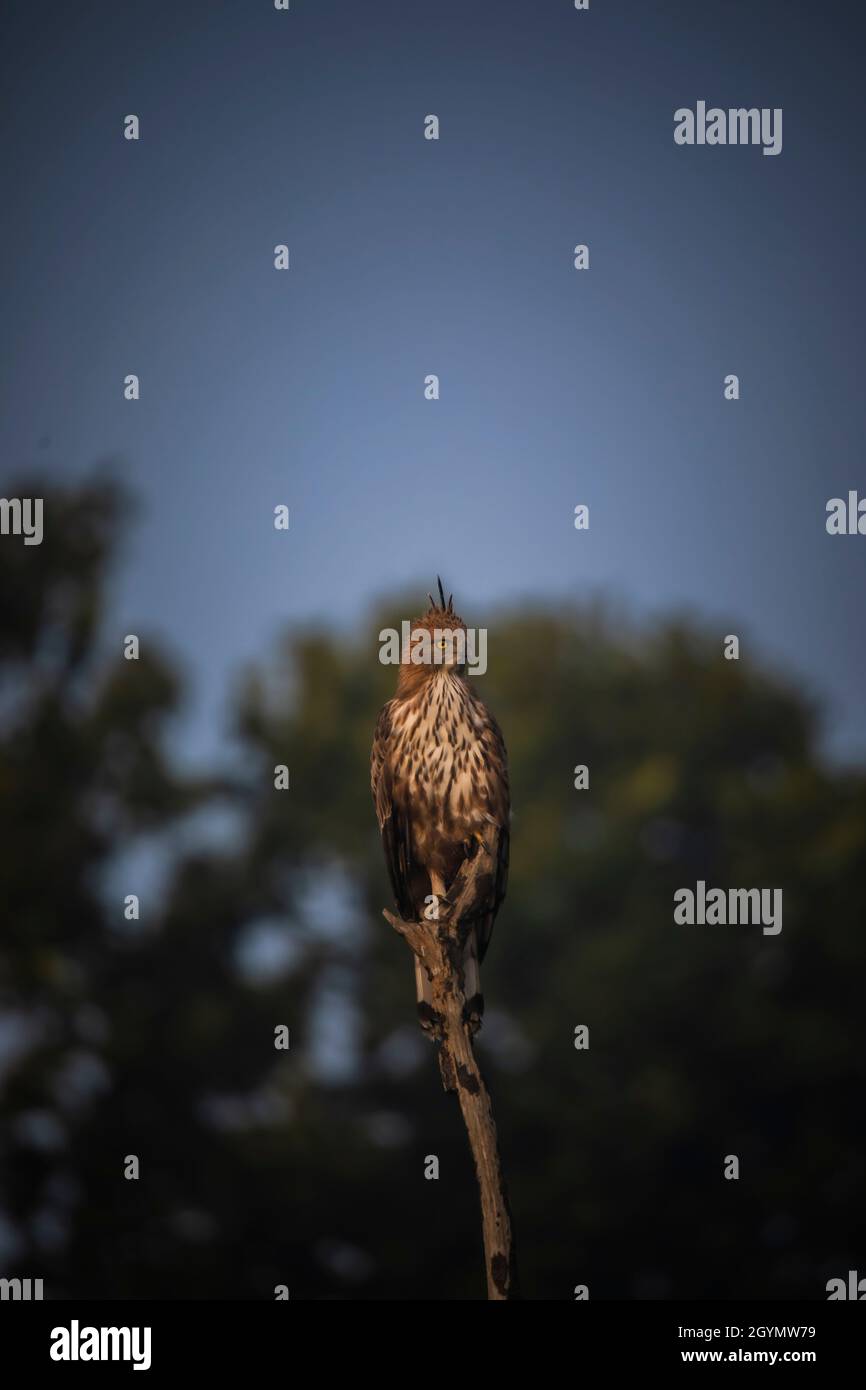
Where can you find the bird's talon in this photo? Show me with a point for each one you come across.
(431, 1022)
(473, 1013)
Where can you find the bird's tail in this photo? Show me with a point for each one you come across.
(474, 1011)
(424, 994)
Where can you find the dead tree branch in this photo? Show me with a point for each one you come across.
(439, 947)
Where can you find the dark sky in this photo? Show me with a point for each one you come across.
(454, 257)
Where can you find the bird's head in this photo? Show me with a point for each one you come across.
(437, 643)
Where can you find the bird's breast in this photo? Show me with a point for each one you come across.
(439, 762)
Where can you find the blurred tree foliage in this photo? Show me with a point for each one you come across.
(260, 1167)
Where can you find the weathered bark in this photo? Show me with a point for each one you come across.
(439, 947)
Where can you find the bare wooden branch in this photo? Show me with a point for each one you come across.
(439, 947)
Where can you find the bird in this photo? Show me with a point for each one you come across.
(439, 777)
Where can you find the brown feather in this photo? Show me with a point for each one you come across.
(439, 775)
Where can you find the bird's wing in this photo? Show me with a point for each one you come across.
(393, 821)
(500, 816)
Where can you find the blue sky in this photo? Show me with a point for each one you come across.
(452, 257)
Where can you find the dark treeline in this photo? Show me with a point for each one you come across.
(154, 1037)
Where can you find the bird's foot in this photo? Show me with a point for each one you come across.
(473, 1013)
(432, 1023)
